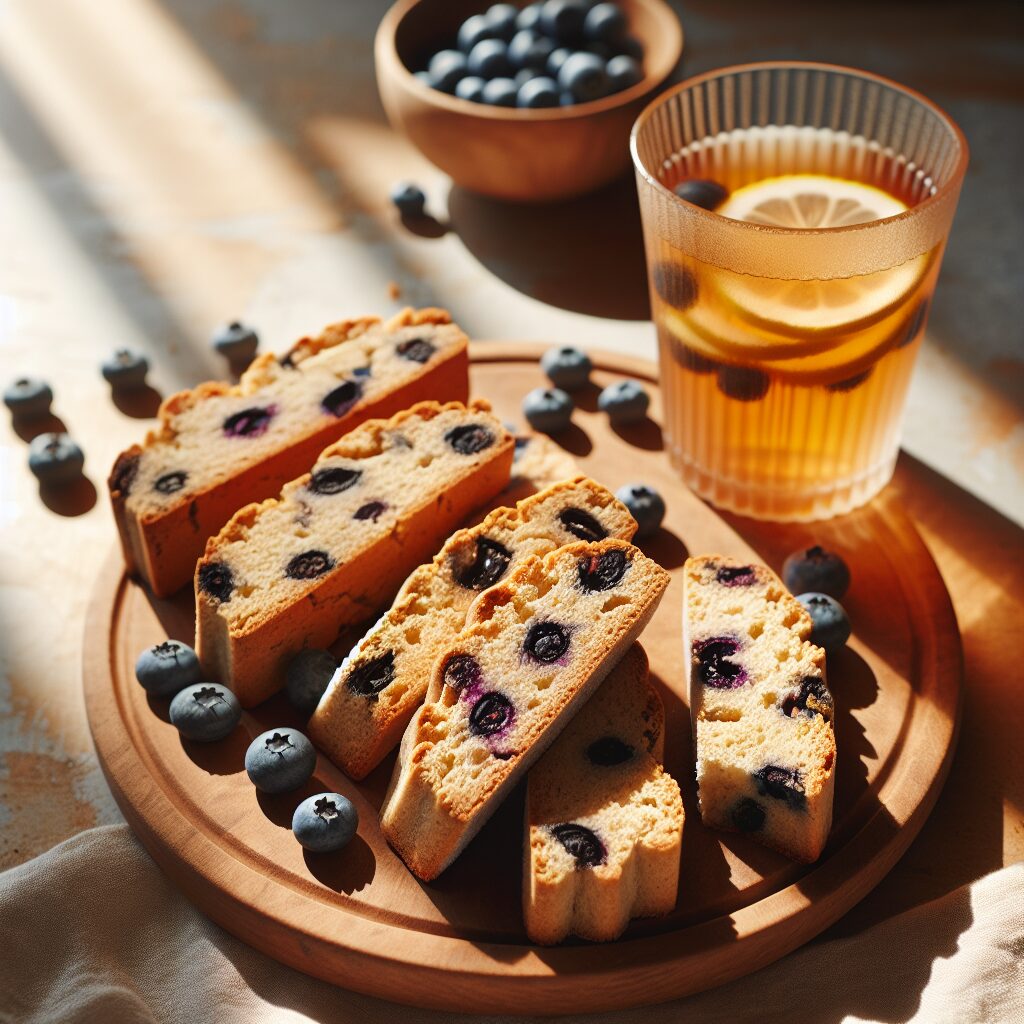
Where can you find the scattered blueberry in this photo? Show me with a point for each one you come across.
(490, 59)
(55, 459)
(624, 402)
(702, 192)
(28, 398)
(602, 572)
(236, 341)
(325, 822)
(473, 30)
(584, 76)
(743, 383)
(645, 505)
(548, 409)
(446, 68)
(471, 88)
(369, 678)
(529, 50)
(581, 843)
(502, 19)
(563, 20)
(818, 570)
(622, 72)
(205, 712)
(408, 198)
(125, 370)
(675, 285)
(501, 92)
(831, 624)
(567, 368)
(604, 23)
(280, 760)
(538, 92)
(307, 676)
(167, 667)
(581, 524)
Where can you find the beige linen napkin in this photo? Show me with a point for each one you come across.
(93, 932)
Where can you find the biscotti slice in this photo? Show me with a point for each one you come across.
(336, 545)
(378, 687)
(219, 447)
(604, 820)
(760, 708)
(535, 647)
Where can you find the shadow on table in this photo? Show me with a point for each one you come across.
(584, 255)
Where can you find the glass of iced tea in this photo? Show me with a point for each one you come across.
(794, 221)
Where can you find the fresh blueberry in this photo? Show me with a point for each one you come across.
(714, 666)
(325, 822)
(645, 505)
(369, 678)
(28, 398)
(604, 23)
(307, 676)
(471, 88)
(408, 198)
(563, 20)
(548, 409)
(567, 368)
(702, 192)
(489, 59)
(236, 341)
(167, 667)
(125, 370)
(446, 68)
(205, 712)
(581, 524)
(280, 760)
(492, 713)
(748, 815)
(473, 30)
(624, 402)
(623, 72)
(602, 572)
(500, 92)
(546, 642)
(743, 383)
(502, 18)
(818, 570)
(529, 17)
(675, 285)
(583, 75)
(831, 624)
(489, 562)
(469, 438)
(55, 459)
(529, 50)
(538, 92)
(556, 59)
(581, 843)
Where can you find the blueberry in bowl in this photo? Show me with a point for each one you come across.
(280, 760)
(325, 822)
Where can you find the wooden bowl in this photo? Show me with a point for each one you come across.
(523, 155)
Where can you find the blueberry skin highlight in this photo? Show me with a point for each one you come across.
(548, 410)
(280, 760)
(501, 92)
(831, 624)
(567, 368)
(446, 68)
(474, 29)
(235, 341)
(55, 459)
(816, 570)
(645, 505)
(307, 676)
(624, 402)
(205, 712)
(28, 398)
(604, 23)
(537, 92)
(325, 822)
(167, 667)
(489, 59)
(470, 88)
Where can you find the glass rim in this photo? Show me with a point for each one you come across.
(710, 217)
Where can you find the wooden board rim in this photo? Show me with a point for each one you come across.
(379, 959)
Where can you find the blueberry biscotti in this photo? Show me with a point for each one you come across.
(759, 705)
(535, 647)
(604, 820)
(336, 545)
(378, 687)
(220, 447)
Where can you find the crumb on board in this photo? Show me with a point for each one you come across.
(394, 291)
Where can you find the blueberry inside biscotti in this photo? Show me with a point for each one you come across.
(534, 649)
(335, 546)
(356, 724)
(760, 707)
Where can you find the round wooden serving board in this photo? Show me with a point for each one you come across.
(360, 919)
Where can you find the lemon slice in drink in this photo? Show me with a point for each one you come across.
(815, 201)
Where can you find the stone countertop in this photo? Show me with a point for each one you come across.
(167, 166)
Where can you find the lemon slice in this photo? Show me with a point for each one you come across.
(815, 201)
